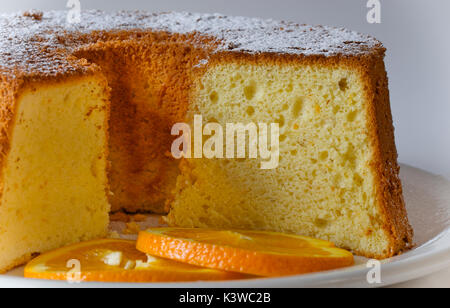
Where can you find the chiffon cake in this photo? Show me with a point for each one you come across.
(86, 112)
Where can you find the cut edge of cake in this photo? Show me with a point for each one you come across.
(54, 185)
(185, 208)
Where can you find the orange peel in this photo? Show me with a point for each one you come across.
(257, 253)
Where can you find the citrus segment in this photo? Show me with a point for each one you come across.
(257, 253)
(113, 260)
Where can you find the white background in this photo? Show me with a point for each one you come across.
(416, 33)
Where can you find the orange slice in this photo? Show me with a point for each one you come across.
(257, 253)
(113, 260)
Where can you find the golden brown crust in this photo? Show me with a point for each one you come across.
(8, 92)
(39, 45)
(385, 165)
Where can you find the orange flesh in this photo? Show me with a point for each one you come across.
(255, 241)
(90, 257)
(93, 268)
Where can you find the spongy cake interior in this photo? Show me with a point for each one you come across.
(55, 180)
(324, 185)
(150, 89)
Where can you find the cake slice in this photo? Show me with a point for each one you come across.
(337, 177)
(53, 165)
(327, 89)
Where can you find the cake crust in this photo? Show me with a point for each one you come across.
(390, 193)
(43, 47)
(8, 92)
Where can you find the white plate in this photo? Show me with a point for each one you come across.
(428, 201)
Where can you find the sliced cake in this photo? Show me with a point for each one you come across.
(53, 168)
(337, 175)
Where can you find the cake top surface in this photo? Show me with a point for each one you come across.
(31, 42)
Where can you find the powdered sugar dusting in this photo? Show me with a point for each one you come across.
(256, 35)
(33, 45)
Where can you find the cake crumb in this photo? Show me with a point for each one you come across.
(120, 216)
(130, 265)
(114, 235)
(163, 220)
(132, 228)
(139, 218)
(36, 15)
